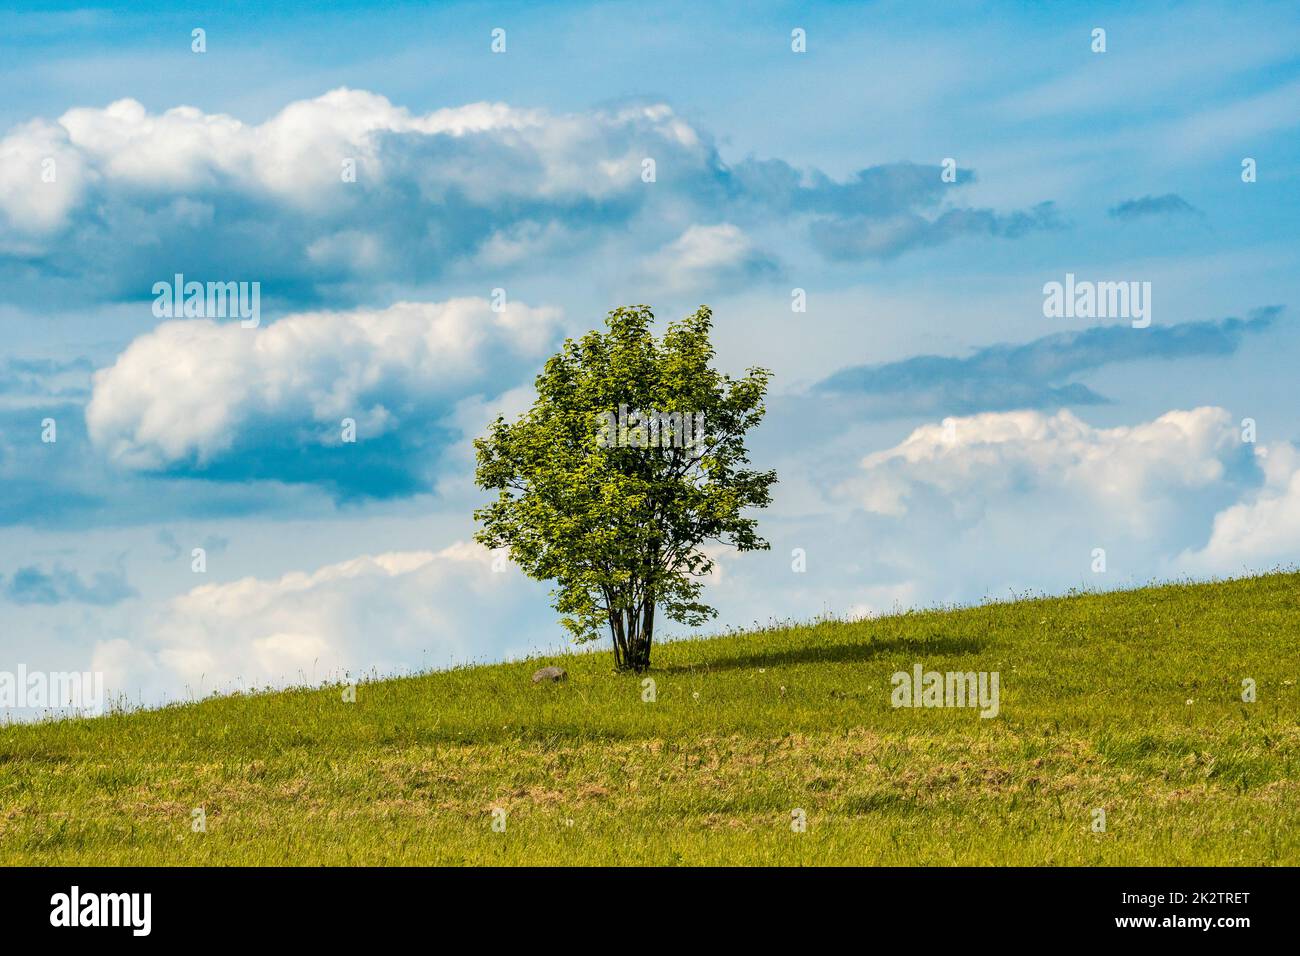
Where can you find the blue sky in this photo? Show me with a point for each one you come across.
(937, 436)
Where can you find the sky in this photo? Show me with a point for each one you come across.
(873, 198)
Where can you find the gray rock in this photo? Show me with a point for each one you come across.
(551, 674)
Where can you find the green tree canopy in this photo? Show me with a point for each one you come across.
(614, 509)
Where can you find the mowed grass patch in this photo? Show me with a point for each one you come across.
(1127, 701)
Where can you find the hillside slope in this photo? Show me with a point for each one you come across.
(1130, 702)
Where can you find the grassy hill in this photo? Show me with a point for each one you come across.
(1126, 701)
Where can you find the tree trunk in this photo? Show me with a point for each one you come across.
(620, 642)
(637, 634)
(647, 633)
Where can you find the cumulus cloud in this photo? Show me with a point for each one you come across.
(139, 195)
(976, 505)
(1130, 471)
(198, 397)
(1261, 532)
(709, 255)
(346, 184)
(43, 177)
(387, 612)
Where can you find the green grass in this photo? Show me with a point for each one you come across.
(1095, 712)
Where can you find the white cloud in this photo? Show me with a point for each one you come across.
(387, 612)
(298, 153)
(482, 183)
(42, 178)
(190, 390)
(1019, 501)
(483, 152)
(1262, 531)
(1125, 473)
(706, 255)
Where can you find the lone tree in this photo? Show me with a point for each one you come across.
(631, 459)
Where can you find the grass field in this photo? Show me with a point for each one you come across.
(1129, 701)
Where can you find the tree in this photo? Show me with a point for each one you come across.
(629, 462)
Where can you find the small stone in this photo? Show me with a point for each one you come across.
(551, 674)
